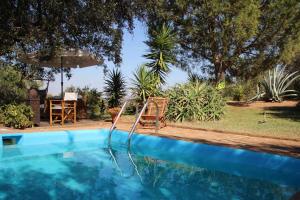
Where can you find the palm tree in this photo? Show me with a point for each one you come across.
(114, 88)
(161, 54)
(145, 84)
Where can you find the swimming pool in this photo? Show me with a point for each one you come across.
(81, 165)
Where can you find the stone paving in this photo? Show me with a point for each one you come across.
(264, 144)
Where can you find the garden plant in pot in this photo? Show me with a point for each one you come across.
(115, 92)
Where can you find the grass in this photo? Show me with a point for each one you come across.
(281, 122)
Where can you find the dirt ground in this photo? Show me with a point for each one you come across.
(265, 105)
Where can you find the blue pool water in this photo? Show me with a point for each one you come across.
(81, 165)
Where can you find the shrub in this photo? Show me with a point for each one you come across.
(95, 104)
(12, 87)
(195, 101)
(92, 99)
(17, 116)
(242, 90)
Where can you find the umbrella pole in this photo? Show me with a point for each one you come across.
(62, 77)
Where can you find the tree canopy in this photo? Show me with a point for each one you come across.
(240, 38)
(38, 25)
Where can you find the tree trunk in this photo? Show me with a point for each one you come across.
(219, 72)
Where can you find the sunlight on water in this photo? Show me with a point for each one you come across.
(94, 172)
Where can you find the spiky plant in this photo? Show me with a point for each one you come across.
(145, 84)
(114, 88)
(193, 77)
(195, 101)
(276, 85)
(161, 46)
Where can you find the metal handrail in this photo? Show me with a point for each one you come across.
(139, 117)
(118, 166)
(113, 126)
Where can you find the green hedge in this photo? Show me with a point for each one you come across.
(195, 101)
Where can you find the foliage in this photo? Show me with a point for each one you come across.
(95, 104)
(35, 25)
(145, 84)
(195, 101)
(12, 87)
(193, 77)
(238, 38)
(276, 85)
(114, 88)
(161, 45)
(92, 99)
(241, 90)
(17, 116)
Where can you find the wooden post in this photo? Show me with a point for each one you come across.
(50, 112)
(74, 111)
(62, 112)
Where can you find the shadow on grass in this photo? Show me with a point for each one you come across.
(291, 113)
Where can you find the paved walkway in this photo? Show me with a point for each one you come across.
(273, 145)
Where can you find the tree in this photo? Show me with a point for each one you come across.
(38, 25)
(161, 45)
(238, 38)
(12, 87)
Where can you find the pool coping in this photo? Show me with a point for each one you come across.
(240, 141)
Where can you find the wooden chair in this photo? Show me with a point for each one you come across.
(148, 119)
(61, 110)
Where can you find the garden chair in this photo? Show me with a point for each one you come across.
(148, 119)
(61, 110)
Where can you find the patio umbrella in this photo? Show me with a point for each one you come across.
(64, 58)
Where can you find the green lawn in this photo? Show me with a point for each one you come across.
(282, 122)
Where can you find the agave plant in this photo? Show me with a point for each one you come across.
(161, 45)
(276, 85)
(114, 88)
(145, 84)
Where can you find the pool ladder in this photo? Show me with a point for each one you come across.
(138, 117)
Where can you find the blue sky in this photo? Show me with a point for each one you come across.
(132, 55)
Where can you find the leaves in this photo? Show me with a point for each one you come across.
(276, 84)
(161, 46)
(239, 38)
(12, 87)
(93, 25)
(195, 101)
(17, 116)
(114, 88)
(145, 84)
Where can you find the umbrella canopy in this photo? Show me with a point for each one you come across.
(64, 58)
(68, 58)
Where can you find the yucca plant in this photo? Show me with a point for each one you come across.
(161, 45)
(114, 88)
(145, 84)
(193, 77)
(276, 85)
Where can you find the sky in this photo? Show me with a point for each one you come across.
(132, 56)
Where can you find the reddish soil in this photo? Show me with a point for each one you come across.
(265, 105)
(272, 145)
